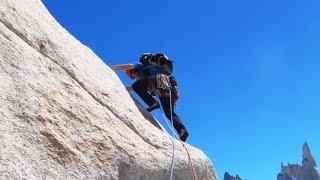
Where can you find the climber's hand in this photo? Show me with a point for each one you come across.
(116, 67)
(123, 67)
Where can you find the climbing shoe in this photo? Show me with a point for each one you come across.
(153, 107)
(183, 135)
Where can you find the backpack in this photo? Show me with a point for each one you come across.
(159, 60)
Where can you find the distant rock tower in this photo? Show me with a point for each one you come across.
(307, 156)
(227, 176)
(306, 171)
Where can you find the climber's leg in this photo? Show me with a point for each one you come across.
(177, 124)
(141, 88)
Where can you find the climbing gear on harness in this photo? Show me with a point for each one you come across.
(161, 84)
(158, 83)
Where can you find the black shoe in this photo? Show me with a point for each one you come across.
(183, 135)
(153, 107)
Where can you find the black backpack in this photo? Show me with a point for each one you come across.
(159, 60)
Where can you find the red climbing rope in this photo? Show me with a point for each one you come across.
(190, 162)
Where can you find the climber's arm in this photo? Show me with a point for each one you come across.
(123, 67)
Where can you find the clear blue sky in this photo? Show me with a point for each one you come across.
(249, 71)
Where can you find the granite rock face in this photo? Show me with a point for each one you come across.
(64, 114)
(306, 171)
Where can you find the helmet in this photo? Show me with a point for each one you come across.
(163, 62)
(160, 58)
(145, 58)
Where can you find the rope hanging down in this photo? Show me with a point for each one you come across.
(174, 134)
(171, 167)
(172, 139)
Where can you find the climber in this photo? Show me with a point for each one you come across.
(153, 78)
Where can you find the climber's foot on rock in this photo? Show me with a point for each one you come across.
(183, 135)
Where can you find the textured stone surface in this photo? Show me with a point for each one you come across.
(64, 114)
(306, 171)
